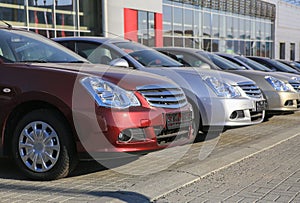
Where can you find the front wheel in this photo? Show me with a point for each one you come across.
(41, 145)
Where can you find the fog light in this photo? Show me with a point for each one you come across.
(289, 103)
(237, 114)
(132, 135)
(125, 136)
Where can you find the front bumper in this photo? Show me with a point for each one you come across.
(106, 129)
(282, 101)
(232, 112)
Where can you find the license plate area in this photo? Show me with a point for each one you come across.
(179, 119)
(260, 106)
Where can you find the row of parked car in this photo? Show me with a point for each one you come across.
(60, 105)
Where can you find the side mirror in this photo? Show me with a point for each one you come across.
(119, 62)
(205, 66)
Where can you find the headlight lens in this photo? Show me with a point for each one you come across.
(295, 78)
(222, 89)
(277, 84)
(109, 95)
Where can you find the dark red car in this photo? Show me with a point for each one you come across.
(55, 107)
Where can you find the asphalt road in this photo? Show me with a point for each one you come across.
(251, 164)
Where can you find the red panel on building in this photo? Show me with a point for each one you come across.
(130, 24)
(158, 30)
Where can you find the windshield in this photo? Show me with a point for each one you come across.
(221, 62)
(23, 46)
(283, 67)
(253, 64)
(146, 56)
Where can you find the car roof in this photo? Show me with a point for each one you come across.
(185, 49)
(91, 39)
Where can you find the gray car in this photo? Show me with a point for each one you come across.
(278, 89)
(219, 99)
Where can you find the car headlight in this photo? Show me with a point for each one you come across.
(222, 89)
(277, 84)
(295, 78)
(109, 95)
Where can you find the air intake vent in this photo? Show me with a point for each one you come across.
(296, 85)
(250, 89)
(165, 96)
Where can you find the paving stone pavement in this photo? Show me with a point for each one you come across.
(172, 176)
(270, 176)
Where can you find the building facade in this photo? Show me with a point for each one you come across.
(248, 27)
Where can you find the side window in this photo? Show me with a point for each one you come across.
(233, 61)
(5, 52)
(69, 45)
(96, 53)
(189, 59)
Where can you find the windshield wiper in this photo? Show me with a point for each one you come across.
(33, 61)
(76, 62)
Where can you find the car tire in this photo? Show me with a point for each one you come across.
(42, 147)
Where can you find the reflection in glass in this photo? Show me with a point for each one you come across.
(188, 22)
(215, 45)
(215, 25)
(206, 24)
(229, 27)
(206, 45)
(242, 31)
(178, 41)
(178, 24)
(167, 20)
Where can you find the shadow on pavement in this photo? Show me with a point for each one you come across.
(105, 196)
(8, 170)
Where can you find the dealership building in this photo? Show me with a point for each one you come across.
(250, 27)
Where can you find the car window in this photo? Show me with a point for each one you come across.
(19, 46)
(222, 62)
(283, 67)
(188, 59)
(146, 56)
(253, 64)
(96, 53)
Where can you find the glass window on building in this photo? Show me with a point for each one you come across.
(224, 26)
(292, 51)
(13, 11)
(215, 25)
(146, 32)
(54, 18)
(282, 50)
(269, 48)
(229, 26)
(206, 44)
(167, 20)
(247, 28)
(235, 28)
(242, 28)
(178, 21)
(197, 25)
(206, 24)
(188, 22)
(215, 45)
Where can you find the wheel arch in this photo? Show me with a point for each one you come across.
(28, 106)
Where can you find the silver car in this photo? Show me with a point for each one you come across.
(219, 99)
(279, 90)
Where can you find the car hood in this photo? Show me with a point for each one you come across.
(128, 79)
(230, 78)
(260, 75)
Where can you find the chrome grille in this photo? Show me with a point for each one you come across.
(296, 85)
(165, 96)
(250, 89)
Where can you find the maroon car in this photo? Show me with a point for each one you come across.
(55, 107)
